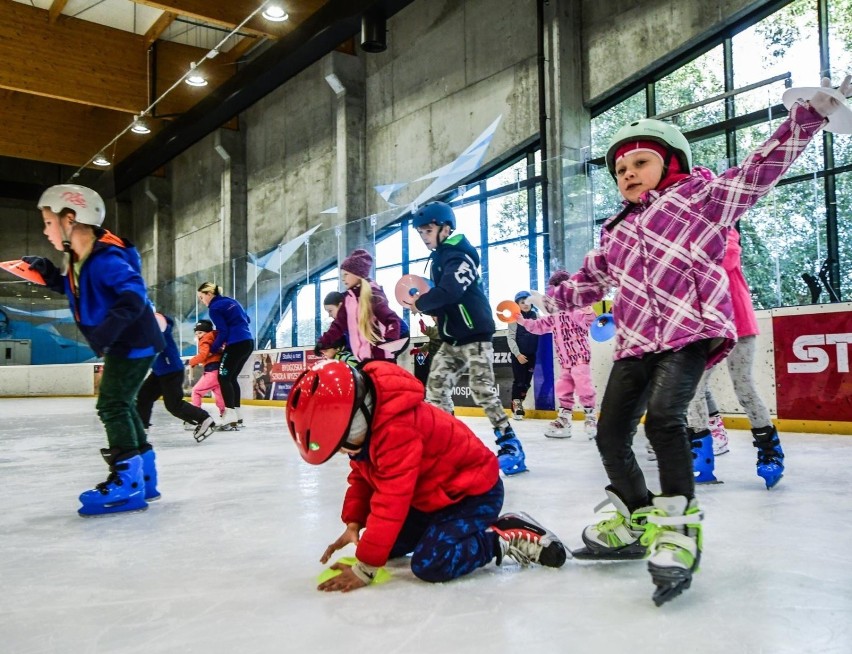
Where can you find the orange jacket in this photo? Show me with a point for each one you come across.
(205, 357)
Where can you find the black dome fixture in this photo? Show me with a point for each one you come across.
(374, 31)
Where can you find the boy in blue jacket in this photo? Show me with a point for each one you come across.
(101, 277)
(465, 326)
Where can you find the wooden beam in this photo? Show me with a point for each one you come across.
(240, 48)
(230, 13)
(67, 133)
(160, 25)
(56, 9)
(73, 60)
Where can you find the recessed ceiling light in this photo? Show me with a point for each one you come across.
(100, 160)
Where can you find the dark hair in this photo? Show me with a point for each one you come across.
(334, 298)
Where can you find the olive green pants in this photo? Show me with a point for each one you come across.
(116, 404)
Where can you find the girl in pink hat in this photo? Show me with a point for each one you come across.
(365, 317)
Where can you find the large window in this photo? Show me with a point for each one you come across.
(803, 229)
(500, 214)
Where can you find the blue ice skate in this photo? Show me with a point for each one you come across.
(510, 456)
(149, 472)
(124, 489)
(703, 459)
(770, 456)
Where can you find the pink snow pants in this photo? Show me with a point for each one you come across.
(209, 382)
(575, 379)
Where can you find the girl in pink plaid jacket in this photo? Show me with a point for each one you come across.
(663, 253)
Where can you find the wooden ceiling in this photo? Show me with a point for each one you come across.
(74, 74)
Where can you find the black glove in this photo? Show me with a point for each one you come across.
(41, 265)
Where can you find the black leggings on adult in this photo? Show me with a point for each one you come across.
(234, 357)
(660, 385)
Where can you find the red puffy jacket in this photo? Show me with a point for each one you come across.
(417, 456)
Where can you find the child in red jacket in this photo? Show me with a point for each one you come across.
(421, 482)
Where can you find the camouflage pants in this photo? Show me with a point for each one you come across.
(450, 363)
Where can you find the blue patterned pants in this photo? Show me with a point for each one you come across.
(451, 542)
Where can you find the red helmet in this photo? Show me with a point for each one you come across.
(321, 406)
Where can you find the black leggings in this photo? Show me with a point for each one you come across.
(234, 358)
(664, 383)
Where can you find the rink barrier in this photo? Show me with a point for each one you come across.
(809, 345)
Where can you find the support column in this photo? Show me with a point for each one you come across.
(568, 137)
(345, 75)
(233, 207)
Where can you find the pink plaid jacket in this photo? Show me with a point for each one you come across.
(665, 253)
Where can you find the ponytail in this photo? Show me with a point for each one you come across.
(366, 318)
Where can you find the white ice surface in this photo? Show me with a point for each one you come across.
(227, 561)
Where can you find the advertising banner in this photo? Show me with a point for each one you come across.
(812, 366)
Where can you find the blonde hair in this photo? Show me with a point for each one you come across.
(366, 318)
(210, 287)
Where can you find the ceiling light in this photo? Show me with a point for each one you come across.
(140, 127)
(196, 78)
(100, 160)
(275, 14)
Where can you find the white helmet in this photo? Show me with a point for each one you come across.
(83, 201)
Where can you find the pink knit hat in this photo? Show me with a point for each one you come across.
(359, 263)
(558, 277)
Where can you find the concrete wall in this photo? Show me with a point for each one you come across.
(623, 41)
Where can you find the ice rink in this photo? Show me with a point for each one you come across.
(227, 560)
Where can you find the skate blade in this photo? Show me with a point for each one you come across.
(229, 427)
(97, 512)
(708, 482)
(772, 483)
(624, 554)
(203, 436)
(154, 498)
(514, 471)
(558, 438)
(668, 591)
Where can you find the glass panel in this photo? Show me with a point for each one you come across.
(751, 138)
(389, 249)
(284, 331)
(510, 271)
(783, 236)
(786, 41)
(840, 38)
(711, 154)
(606, 198)
(468, 222)
(698, 80)
(514, 174)
(609, 122)
(508, 216)
(306, 310)
(387, 279)
(844, 233)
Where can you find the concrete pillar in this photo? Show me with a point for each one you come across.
(571, 222)
(346, 76)
(233, 209)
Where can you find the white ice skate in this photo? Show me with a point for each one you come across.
(590, 423)
(561, 427)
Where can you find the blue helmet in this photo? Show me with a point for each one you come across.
(439, 213)
(522, 295)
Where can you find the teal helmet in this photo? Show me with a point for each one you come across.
(650, 129)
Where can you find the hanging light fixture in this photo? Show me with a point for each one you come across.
(140, 127)
(100, 160)
(195, 78)
(275, 13)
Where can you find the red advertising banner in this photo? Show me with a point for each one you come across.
(812, 366)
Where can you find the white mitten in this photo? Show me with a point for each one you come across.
(826, 104)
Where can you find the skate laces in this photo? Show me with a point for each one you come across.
(113, 478)
(523, 546)
(769, 452)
